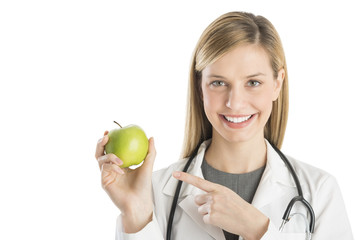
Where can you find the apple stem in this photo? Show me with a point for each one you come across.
(117, 124)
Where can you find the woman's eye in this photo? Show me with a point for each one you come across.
(253, 83)
(218, 83)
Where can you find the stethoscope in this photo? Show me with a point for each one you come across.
(286, 217)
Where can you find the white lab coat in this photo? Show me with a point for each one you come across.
(272, 196)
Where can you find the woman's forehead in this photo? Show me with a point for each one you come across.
(243, 61)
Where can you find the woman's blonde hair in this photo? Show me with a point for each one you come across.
(229, 31)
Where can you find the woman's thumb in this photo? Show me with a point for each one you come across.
(149, 159)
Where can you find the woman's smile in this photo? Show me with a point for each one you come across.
(238, 90)
(237, 121)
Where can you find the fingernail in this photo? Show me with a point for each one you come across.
(100, 140)
(102, 158)
(176, 174)
(120, 170)
(118, 161)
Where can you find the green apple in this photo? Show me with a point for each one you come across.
(129, 143)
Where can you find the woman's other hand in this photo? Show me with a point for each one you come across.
(222, 207)
(129, 189)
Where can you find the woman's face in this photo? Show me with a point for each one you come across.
(238, 90)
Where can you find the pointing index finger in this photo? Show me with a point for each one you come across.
(195, 181)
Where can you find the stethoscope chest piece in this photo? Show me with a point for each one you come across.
(287, 215)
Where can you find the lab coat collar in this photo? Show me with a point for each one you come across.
(277, 169)
(275, 183)
(275, 172)
(194, 169)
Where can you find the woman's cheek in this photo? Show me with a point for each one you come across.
(212, 105)
(264, 104)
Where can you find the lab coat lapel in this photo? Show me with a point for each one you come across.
(276, 181)
(194, 169)
(267, 191)
(188, 193)
(188, 205)
(274, 184)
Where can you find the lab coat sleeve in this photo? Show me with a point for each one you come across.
(331, 218)
(150, 232)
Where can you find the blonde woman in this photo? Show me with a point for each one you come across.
(236, 185)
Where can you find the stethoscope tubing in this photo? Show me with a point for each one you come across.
(286, 216)
(176, 195)
(300, 193)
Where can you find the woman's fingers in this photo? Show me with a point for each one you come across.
(100, 147)
(204, 202)
(198, 182)
(204, 209)
(109, 158)
(203, 198)
(109, 167)
(109, 173)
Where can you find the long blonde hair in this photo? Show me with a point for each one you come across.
(226, 32)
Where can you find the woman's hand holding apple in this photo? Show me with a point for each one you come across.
(130, 190)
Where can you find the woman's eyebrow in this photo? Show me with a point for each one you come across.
(215, 76)
(249, 76)
(255, 75)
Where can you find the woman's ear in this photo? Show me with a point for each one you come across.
(278, 83)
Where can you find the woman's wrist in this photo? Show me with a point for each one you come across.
(258, 228)
(134, 222)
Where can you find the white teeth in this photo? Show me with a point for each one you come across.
(237, 119)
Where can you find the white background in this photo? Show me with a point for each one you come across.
(69, 68)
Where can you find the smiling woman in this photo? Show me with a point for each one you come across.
(241, 96)
(237, 31)
(236, 181)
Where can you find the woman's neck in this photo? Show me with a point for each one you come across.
(236, 157)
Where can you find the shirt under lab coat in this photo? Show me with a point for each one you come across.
(272, 196)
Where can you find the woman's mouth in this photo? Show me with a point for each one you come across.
(240, 121)
(237, 119)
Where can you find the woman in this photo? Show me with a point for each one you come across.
(237, 184)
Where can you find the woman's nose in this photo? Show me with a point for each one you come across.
(236, 98)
